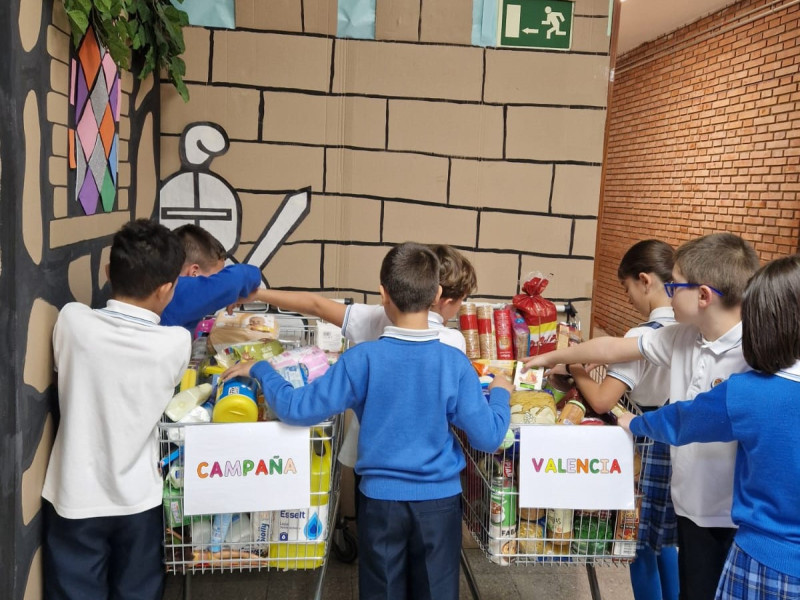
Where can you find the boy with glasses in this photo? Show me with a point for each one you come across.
(701, 351)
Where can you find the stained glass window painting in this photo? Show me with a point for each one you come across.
(94, 138)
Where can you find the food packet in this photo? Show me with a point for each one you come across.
(248, 351)
(521, 336)
(540, 314)
(591, 535)
(528, 380)
(485, 366)
(311, 359)
(294, 374)
(241, 327)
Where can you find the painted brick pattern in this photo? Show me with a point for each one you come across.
(397, 20)
(416, 135)
(324, 120)
(704, 137)
(474, 130)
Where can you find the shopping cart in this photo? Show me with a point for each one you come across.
(291, 539)
(541, 536)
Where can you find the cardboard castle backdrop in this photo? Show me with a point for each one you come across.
(318, 134)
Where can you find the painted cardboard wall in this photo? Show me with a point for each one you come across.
(50, 253)
(703, 137)
(415, 135)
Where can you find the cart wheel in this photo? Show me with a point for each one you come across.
(345, 548)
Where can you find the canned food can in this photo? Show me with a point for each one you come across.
(503, 503)
(501, 466)
(502, 544)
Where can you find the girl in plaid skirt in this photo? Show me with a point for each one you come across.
(759, 410)
(642, 272)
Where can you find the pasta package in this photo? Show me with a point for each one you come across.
(528, 407)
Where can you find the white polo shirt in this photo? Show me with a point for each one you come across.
(702, 474)
(117, 371)
(366, 322)
(648, 383)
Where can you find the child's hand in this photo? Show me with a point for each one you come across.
(502, 381)
(542, 360)
(559, 369)
(624, 420)
(240, 368)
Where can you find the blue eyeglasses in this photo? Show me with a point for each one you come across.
(672, 286)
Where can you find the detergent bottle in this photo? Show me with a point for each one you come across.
(236, 401)
(320, 469)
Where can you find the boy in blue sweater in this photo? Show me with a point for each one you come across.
(757, 409)
(406, 389)
(206, 285)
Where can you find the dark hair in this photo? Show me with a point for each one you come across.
(144, 256)
(771, 316)
(647, 256)
(410, 275)
(200, 246)
(722, 260)
(456, 274)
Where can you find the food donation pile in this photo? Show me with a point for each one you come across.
(291, 538)
(498, 337)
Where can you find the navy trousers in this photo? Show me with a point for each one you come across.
(409, 550)
(114, 558)
(701, 555)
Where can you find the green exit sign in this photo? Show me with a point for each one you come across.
(535, 24)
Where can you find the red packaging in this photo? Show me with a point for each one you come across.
(540, 314)
(502, 326)
(484, 319)
(468, 321)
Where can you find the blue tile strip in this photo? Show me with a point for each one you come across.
(356, 19)
(484, 22)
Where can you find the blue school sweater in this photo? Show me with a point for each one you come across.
(406, 389)
(762, 413)
(197, 297)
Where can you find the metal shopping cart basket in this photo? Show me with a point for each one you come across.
(541, 536)
(291, 539)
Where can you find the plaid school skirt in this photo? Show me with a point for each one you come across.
(744, 578)
(658, 526)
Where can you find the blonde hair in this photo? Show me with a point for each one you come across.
(456, 274)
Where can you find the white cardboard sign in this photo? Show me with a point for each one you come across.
(244, 467)
(573, 466)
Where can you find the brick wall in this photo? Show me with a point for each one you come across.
(703, 137)
(416, 135)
